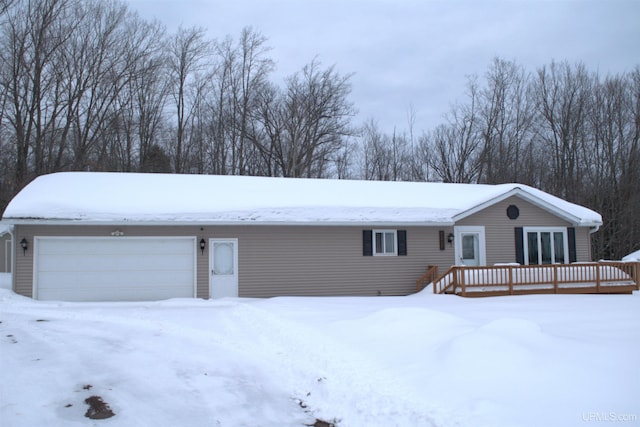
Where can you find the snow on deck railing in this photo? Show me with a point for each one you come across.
(510, 277)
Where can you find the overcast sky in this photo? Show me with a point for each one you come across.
(418, 53)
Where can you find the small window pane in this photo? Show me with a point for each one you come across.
(468, 247)
(223, 258)
(389, 243)
(384, 242)
(545, 242)
(532, 246)
(379, 243)
(558, 243)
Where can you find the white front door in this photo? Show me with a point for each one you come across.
(224, 268)
(470, 245)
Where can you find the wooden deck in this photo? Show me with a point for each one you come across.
(577, 278)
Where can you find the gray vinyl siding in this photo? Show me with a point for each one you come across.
(499, 229)
(282, 260)
(329, 261)
(583, 244)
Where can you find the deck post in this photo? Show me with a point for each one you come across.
(510, 280)
(555, 278)
(597, 277)
(462, 281)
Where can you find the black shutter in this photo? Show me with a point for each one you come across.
(367, 242)
(519, 245)
(571, 236)
(402, 242)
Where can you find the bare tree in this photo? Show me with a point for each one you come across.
(189, 54)
(140, 104)
(249, 79)
(268, 130)
(505, 123)
(100, 68)
(457, 145)
(314, 114)
(422, 159)
(375, 159)
(343, 160)
(32, 35)
(242, 74)
(5, 5)
(613, 152)
(562, 94)
(385, 157)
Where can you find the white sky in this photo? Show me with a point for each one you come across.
(418, 53)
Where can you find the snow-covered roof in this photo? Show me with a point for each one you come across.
(99, 197)
(633, 256)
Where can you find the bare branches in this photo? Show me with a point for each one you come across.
(308, 122)
(189, 58)
(562, 129)
(88, 85)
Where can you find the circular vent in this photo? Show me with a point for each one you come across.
(513, 212)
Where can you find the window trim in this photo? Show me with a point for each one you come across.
(374, 232)
(538, 230)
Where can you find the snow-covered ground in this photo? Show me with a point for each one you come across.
(5, 280)
(423, 360)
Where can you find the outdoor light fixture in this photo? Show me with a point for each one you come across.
(450, 238)
(24, 245)
(117, 233)
(202, 245)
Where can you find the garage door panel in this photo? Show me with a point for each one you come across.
(107, 294)
(60, 279)
(99, 262)
(89, 246)
(115, 269)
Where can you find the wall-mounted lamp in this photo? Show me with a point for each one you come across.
(202, 245)
(450, 238)
(117, 233)
(24, 245)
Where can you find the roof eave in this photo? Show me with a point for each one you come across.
(210, 223)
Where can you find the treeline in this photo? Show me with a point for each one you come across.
(89, 85)
(563, 129)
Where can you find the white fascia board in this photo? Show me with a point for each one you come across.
(530, 198)
(231, 223)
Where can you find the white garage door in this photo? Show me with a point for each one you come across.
(114, 268)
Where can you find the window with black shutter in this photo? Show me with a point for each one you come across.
(384, 242)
